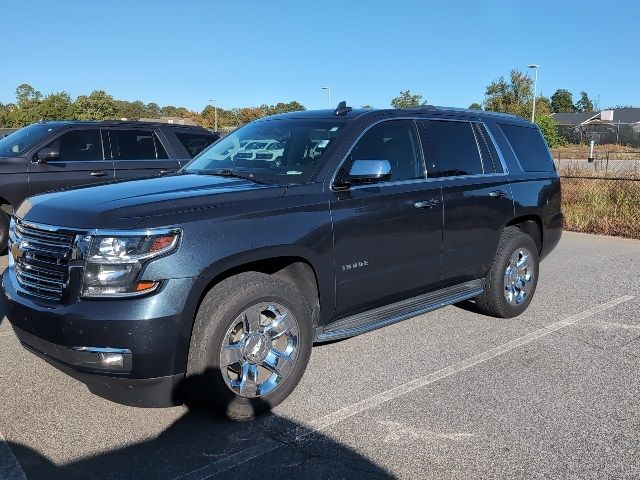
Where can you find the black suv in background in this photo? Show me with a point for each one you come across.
(222, 276)
(52, 155)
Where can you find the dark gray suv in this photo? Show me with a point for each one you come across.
(52, 155)
(219, 279)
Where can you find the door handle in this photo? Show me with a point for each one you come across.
(170, 170)
(498, 194)
(100, 173)
(426, 204)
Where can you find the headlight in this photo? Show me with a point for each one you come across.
(114, 262)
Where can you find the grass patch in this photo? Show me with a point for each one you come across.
(602, 206)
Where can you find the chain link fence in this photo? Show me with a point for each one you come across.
(624, 164)
(602, 133)
(602, 196)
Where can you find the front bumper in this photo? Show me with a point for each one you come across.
(155, 330)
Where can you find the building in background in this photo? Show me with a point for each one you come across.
(613, 126)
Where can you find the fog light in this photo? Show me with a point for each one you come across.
(112, 359)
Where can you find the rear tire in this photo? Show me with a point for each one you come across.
(513, 277)
(4, 231)
(239, 366)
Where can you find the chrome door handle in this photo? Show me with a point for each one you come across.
(498, 194)
(100, 173)
(426, 204)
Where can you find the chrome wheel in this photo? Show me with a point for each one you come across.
(259, 350)
(518, 276)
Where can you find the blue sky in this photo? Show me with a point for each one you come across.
(245, 53)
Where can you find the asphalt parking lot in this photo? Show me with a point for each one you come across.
(450, 394)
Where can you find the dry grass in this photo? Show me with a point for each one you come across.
(602, 206)
(578, 152)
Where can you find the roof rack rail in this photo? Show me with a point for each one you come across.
(426, 107)
(342, 109)
(470, 110)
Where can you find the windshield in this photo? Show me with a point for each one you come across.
(16, 143)
(298, 147)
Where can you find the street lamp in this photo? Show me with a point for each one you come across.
(535, 86)
(328, 95)
(215, 116)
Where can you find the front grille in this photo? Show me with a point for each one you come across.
(42, 260)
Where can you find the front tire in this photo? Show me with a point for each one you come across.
(250, 345)
(513, 277)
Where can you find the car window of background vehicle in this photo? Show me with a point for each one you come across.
(78, 146)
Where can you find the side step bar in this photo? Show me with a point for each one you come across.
(396, 312)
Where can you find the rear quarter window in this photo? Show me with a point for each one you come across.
(529, 147)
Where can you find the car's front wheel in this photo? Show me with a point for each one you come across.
(250, 345)
(513, 277)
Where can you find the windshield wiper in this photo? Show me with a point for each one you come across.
(226, 172)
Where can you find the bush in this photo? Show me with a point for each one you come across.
(549, 129)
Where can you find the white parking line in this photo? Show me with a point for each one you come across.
(327, 421)
(9, 467)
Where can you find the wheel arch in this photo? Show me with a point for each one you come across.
(532, 226)
(293, 266)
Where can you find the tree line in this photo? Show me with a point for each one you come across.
(515, 95)
(32, 106)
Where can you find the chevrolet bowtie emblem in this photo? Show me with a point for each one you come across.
(17, 249)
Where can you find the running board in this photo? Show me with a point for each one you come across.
(396, 312)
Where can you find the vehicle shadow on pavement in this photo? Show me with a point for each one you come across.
(267, 447)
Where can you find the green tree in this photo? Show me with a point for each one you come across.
(28, 101)
(584, 104)
(407, 100)
(152, 110)
(512, 96)
(97, 106)
(292, 106)
(562, 101)
(549, 129)
(367, 106)
(475, 106)
(56, 106)
(543, 106)
(25, 93)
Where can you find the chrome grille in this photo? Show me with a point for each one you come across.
(41, 260)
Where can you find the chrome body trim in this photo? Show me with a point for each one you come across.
(396, 312)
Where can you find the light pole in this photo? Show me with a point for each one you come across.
(328, 95)
(215, 116)
(535, 86)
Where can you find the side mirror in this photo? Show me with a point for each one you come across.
(46, 154)
(370, 171)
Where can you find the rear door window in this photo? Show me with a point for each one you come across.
(529, 147)
(194, 143)
(450, 148)
(138, 145)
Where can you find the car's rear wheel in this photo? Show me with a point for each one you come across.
(513, 277)
(250, 345)
(4, 231)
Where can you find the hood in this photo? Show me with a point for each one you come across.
(123, 205)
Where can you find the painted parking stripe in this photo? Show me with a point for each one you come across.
(9, 467)
(331, 419)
